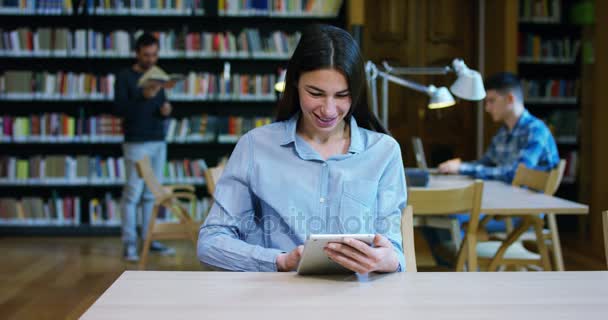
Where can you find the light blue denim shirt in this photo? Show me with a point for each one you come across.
(276, 190)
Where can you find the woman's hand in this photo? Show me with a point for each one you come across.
(289, 261)
(360, 257)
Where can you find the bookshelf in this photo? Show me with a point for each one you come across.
(548, 61)
(61, 170)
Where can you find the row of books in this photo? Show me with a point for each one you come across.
(537, 48)
(221, 87)
(209, 128)
(540, 11)
(67, 211)
(102, 7)
(62, 42)
(60, 127)
(550, 90)
(62, 169)
(106, 211)
(89, 170)
(42, 7)
(317, 8)
(54, 211)
(564, 125)
(197, 86)
(20, 84)
(145, 7)
(44, 42)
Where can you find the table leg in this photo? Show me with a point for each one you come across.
(540, 241)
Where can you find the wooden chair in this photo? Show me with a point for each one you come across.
(407, 238)
(453, 201)
(168, 197)
(212, 175)
(605, 218)
(509, 250)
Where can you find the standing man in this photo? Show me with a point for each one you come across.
(523, 138)
(142, 111)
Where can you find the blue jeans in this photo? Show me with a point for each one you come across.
(135, 188)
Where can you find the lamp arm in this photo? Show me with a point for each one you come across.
(403, 82)
(416, 70)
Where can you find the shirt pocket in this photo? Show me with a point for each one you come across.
(357, 206)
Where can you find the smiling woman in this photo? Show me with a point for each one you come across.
(326, 166)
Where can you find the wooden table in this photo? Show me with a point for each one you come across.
(500, 198)
(251, 296)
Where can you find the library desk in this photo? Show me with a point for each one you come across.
(504, 199)
(462, 295)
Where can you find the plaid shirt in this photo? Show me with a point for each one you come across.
(530, 142)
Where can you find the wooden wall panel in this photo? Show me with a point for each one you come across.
(424, 33)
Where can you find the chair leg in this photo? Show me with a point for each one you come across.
(472, 252)
(455, 232)
(148, 241)
(511, 238)
(540, 240)
(462, 255)
(555, 242)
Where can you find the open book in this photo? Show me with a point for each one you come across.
(157, 74)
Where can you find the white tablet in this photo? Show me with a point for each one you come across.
(314, 260)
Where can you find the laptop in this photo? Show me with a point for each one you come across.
(420, 156)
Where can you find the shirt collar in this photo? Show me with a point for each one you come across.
(522, 120)
(356, 140)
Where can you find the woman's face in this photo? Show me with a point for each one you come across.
(324, 98)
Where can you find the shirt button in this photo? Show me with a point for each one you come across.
(322, 200)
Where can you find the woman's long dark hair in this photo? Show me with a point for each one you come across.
(329, 47)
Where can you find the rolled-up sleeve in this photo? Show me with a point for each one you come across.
(392, 199)
(220, 242)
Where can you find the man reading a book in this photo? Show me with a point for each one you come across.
(143, 108)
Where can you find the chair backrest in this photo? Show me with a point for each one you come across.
(212, 175)
(605, 218)
(447, 200)
(407, 238)
(543, 181)
(444, 201)
(144, 170)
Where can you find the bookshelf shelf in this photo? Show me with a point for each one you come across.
(552, 100)
(49, 230)
(167, 56)
(223, 140)
(176, 98)
(548, 57)
(544, 61)
(100, 183)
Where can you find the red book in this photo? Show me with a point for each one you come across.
(216, 42)
(30, 41)
(35, 127)
(555, 88)
(231, 125)
(187, 170)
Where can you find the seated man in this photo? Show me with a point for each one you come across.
(523, 138)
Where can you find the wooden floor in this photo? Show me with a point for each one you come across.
(59, 278)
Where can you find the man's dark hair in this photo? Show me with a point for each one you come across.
(504, 83)
(146, 39)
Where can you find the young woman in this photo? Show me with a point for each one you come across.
(326, 166)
